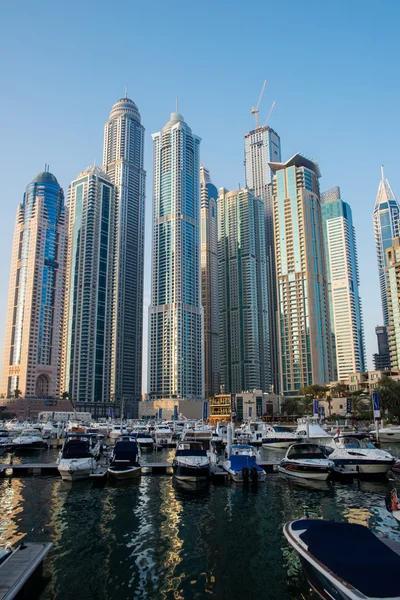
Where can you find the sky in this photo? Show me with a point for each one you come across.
(332, 68)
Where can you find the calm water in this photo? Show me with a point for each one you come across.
(158, 540)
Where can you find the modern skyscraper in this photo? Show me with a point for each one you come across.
(32, 347)
(123, 163)
(262, 146)
(89, 297)
(176, 364)
(305, 348)
(347, 330)
(382, 358)
(393, 301)
(242, 279)
(209, 281)
(386, 227)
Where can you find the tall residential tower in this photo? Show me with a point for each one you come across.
(262, 146)
(123, 164)
(347, 330)
(176, 365)
(32, 346)
(304, 331)
(209, 281)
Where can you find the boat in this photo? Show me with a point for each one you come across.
(124, 463)
(355, 455)
(78, 457)
(28, 439)
(393, 504)
(197, 432)
(243, 469)
(191, 461)
(308, 429)
(5, 439)
(387, 434)
(307, 461)
(117, 431)
(278, 437)
(163, 435)
(143, 438)
(244, 450)
(346, 561)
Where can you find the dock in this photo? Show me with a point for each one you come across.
(28, 469)
(19, 567)
(160, 468)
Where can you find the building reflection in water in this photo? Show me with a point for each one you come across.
(11, 506)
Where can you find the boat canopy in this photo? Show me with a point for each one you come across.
(300, 451)
(76, 449)
(126, 446)
(238, 461)
(241, 447)
(354, 443)
(353, 553)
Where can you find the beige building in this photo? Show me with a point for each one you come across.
(393, 301)
(187, 408)
(247, 405)
(32, 345)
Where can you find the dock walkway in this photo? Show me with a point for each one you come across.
(17, 569)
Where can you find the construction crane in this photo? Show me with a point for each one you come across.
(270, 113)
(254, 111)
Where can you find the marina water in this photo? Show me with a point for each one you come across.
(158, 539)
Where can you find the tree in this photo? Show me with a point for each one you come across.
(17, 393)
(314, 391)
(388, 391)
(329, 402)
(291, 406)
(65, 396)
(339, 390)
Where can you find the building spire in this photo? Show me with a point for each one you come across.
(383, 172)
(126, 91)
(177, 104)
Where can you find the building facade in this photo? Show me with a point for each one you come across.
(386, 227)
(32, 347)
(393, 301)
(242, 282)
(382, 357)
(262, 146)
(304, 331)
(123, 164)
(209, 281)
(176, 346)
(89, 294)
(347, 330)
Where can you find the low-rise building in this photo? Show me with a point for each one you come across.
(246, 405)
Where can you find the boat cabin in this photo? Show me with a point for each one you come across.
(125, 453)
(303, 451)
(76, 447)
(190, 449)
(353, 443)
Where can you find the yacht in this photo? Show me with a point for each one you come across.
(279, 437)
(28, 439)
(387, 434)
(243, 450)
(242, 468)
(308, 429)
(191, 461)
(78, 457)
(197, 432)
(163, 435)
(359, 456)
(307, 461)
(5, 439)
(117, 431)
(124, 463)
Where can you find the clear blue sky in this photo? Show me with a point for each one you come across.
(332, 67)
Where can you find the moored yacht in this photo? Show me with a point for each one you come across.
(191, 461)
(387, 434)
(28, 439)
(117, 431)
(359, 456)
(307, 461)
(78, 457)
(163, 435)
(279, 437)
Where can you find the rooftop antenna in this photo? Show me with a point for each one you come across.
(254, 111)
(176, 99)
(270, 112)
(383, 172)
(126, 91)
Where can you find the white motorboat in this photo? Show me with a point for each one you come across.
(359, 456)
(197, 432)
(28, 439)
(309, 430)
(5, 438)
(143, 438)
(117, 431)
(387, 434)
(49, 431)
(279, 437)
(78, 457)
(242, 468)
(243, 450)
(306, 461)
(191, 461)
(163, 435)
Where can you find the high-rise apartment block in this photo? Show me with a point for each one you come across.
(393, 301)
(209, 281)
(347, 332)
(32, 347)
(89, 297)
(176, 364)
(242, 279)
(304, 340)
(382, 357)
(386, 227)
(123, 164)
(262, 146)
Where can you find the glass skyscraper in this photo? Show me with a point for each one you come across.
(242, 281)
(123, 163)
(262, 146)
(347, 330)
(393, 301)
(176, 364)
(304, 331)
(32, 347)
(89, 297)
(209, 281)
(386, 227)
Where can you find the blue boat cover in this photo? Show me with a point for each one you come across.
(353, 553)
(241, 446)
(240, 460)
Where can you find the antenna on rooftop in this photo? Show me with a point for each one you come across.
(383, 172)
(177, 105)
(126, 91)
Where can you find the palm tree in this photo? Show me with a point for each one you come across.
(339, 390)
(17, 393)
(329, 402)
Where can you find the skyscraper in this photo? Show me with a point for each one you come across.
(382, 357)
(262, 146)
(347, 330)
(393, 301)
(242, 279)
(176, 364)
(305, 348)
(89, 297)
(32, 354)
(209, 281)
(123, 163)
(386, 227)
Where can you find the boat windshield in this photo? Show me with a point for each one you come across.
(354, 443)
(300, 451)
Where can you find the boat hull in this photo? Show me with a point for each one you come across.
(321, 584)
(310, 473)
(131, 473)
(237, 476)
(362, 467)
(35, 446)
(277, 443)
(186, 473)
(76, 470)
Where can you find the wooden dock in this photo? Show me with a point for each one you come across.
(160, 468)
(28, 469)
(19, 567)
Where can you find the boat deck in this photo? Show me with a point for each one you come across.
(19, 567)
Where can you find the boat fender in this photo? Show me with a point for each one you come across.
(245, 474)
(254, 475)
